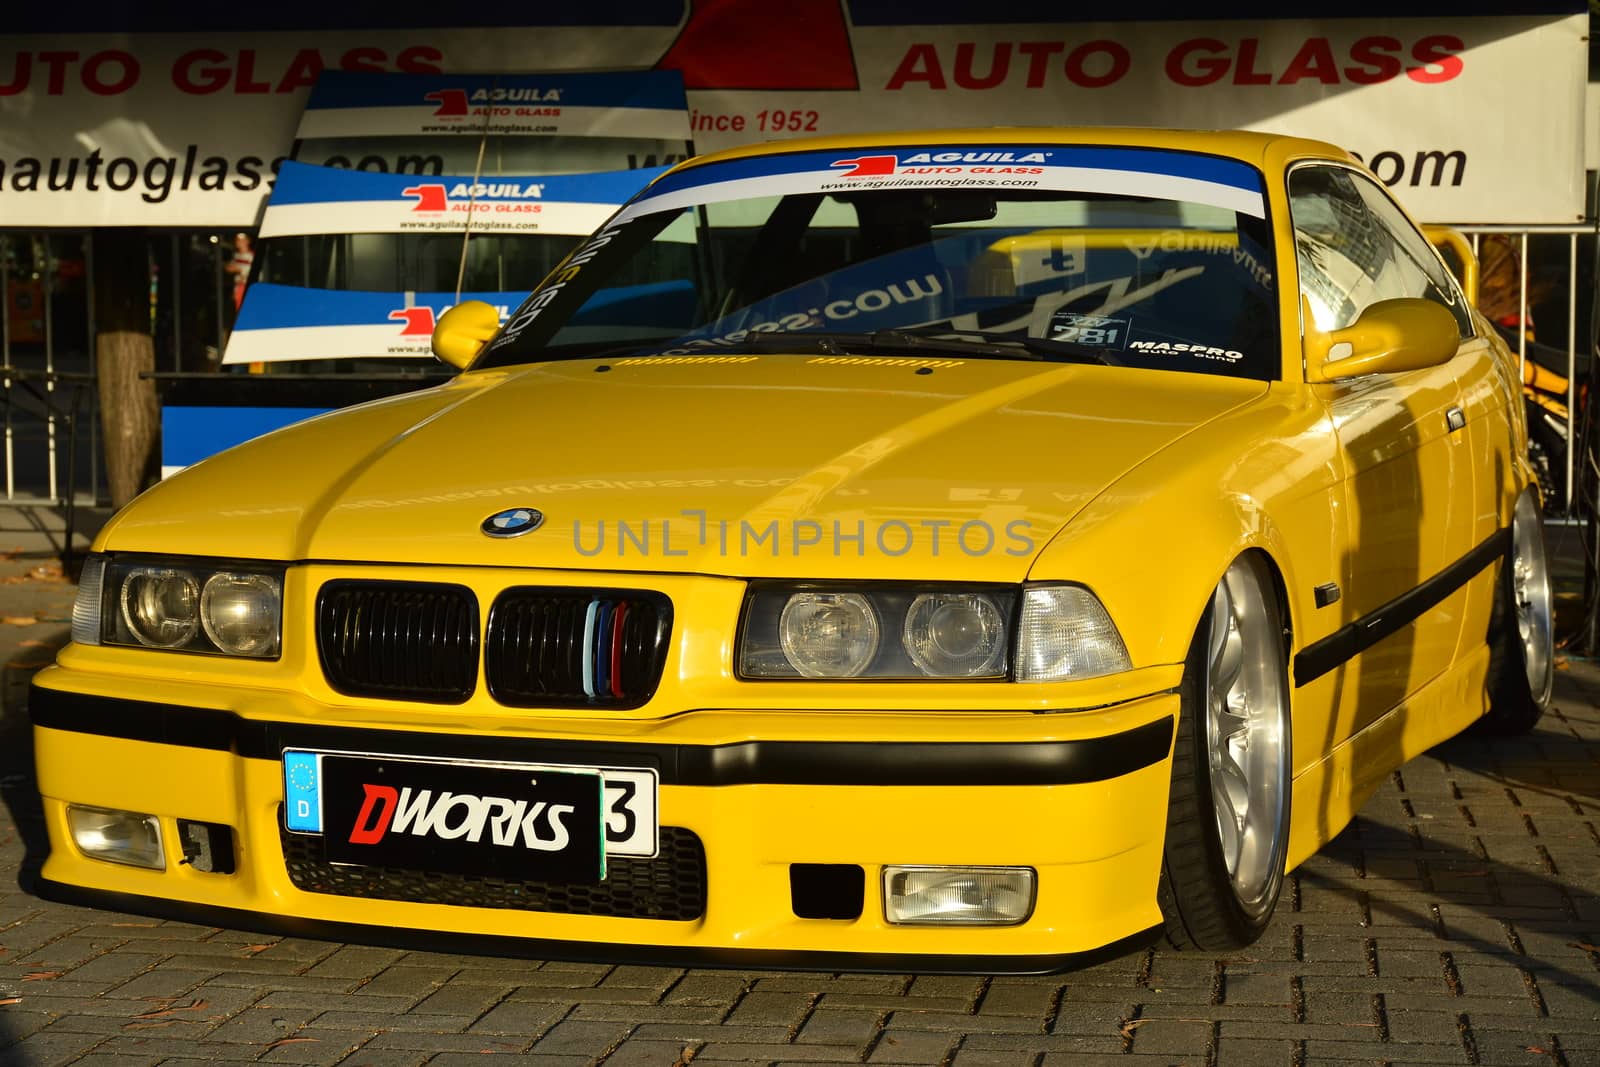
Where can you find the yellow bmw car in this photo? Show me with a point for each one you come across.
(979, 550)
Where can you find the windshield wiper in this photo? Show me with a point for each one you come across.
(922, 340)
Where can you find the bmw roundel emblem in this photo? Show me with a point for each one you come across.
(513, 522)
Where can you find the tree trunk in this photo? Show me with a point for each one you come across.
(124, 349)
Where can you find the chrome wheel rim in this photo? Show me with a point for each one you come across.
(1531, 598)
(1247, 738)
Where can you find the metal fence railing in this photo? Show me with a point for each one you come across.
(1546, 266)
(48, 412)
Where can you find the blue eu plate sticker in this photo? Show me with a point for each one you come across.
(302, 803)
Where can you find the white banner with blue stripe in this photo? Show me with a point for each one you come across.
(321, 200)
(625, 104)
(285, 322)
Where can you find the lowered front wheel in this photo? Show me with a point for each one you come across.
(1228, 812)
(1521, 632)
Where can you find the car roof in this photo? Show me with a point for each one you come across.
(1244, 145)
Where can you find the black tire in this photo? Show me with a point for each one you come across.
(1200, 899)
(1521, 642)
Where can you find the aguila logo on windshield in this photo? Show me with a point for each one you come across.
(866, 166)
(977, 157)
(448, 816)
(882, 166)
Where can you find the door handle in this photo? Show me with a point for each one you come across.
(1455, 418)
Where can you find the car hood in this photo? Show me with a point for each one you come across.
(775, 466)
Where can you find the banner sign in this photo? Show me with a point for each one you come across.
(287, 322)
(320, 200)
(1448, 112)
(190, 434)
(1469, 117)
(633, 104)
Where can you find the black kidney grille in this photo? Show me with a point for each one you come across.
(399, 640)
(670, 886)
(576, 647)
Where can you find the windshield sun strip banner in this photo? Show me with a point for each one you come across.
(331, 200)
(649, 104)
(1155, 173)
(286, 322)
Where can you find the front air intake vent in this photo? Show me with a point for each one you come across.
(399, 640)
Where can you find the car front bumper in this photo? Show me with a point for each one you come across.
(1080, 797)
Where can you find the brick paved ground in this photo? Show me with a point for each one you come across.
(1456, 922)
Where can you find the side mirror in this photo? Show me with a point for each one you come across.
(461, 332)
(1404, 334)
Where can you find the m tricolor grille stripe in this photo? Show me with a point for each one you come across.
(576, 647)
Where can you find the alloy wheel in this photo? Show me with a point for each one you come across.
(1246, 737)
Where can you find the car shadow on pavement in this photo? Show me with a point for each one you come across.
(19, 789)
(1486, 843)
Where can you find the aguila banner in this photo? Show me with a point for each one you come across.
(1469, 117)
(322, 200)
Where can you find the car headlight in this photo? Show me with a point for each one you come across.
(828, 635)
(956, 635)
(883, 631)
(183, 605)
(160, 606)
(241, 612)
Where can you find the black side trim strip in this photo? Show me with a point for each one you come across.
(745, 763)
(1356, 637)
(586, 951)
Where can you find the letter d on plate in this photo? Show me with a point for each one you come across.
(302, 801)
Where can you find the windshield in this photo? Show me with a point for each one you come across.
(1135, 257)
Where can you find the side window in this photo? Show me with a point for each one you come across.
(1355, 248)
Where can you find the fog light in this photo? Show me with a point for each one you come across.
(118, 836)
(971, 896)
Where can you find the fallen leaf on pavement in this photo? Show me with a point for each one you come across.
(1585, 946)
(41, 976)
(289, 1041)
(156, 1013)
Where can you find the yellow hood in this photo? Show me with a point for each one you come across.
(756, 466)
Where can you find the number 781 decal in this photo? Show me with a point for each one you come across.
(1088, 329)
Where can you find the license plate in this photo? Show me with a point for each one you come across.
(545, 822)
